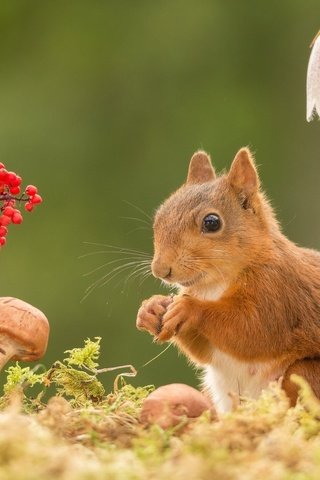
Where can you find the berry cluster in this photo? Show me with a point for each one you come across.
(10, 195)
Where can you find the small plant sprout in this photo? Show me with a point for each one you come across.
(313, 80)
(24, 331)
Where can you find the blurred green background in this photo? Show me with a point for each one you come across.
(103, 103)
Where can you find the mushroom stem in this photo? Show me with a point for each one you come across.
(7, 351)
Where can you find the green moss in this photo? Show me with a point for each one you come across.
(128, 399)
(86, 356)
(84, 433)
(75, 378)
(77, 385)
(18, 376)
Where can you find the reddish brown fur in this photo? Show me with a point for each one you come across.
(270, 305)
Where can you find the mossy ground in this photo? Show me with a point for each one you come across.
(103, 439)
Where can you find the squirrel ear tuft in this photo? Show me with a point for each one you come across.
(200, 168)
(243, 175)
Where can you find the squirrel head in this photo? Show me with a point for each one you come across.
(213, 226)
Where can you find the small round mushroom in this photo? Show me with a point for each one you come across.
(24, 331)
(167, 406)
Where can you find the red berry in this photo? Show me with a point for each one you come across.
(36, 199)
(16, 182)
(9, 211)
(15, 190)
(17, 218)
(29, 207)
(31, 190)
(10, 194)
(5, 220)
(3, 231)
(3, 175)
(11, 177)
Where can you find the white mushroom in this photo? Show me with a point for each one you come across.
(24, 331)
(313, 81)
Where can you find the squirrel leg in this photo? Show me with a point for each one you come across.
(309, 369)
(195, 346)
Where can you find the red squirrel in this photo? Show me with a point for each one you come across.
(248, 307)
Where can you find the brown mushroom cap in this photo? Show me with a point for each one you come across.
(167, 405)
(26, 326)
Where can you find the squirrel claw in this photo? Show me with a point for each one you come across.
(179, 314)
(151, 313)
(166, 334)
(171, 324)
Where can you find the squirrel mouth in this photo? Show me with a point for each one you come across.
(189, 283)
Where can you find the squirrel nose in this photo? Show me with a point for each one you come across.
(160, 269)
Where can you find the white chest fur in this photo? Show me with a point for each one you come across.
(225, 374)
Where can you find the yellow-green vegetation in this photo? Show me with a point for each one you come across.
(83, 433)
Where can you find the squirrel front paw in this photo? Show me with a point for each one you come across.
(151, 312)
(182, 313)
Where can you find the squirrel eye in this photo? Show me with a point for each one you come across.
(211, 223)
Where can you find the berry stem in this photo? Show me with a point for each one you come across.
(8, 197)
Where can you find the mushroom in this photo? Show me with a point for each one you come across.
(170, 404)
(313, 80)
(24, 331)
